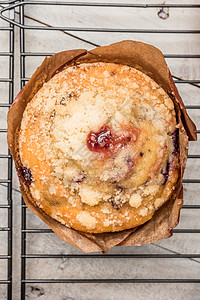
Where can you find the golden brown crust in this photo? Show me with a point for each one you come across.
(121, 189)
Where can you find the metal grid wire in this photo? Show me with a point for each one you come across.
(7, 202)
(24, 29)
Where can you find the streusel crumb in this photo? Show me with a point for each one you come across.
(98, 147)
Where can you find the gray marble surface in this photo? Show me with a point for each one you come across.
(90, 268)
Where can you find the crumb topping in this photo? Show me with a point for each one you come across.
(86, 220)
(100, 139)
(135, 200)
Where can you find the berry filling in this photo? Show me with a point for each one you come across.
(165, 173)
(175, 139)
(26, 173)
(105, 141)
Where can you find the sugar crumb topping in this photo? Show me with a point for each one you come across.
(80, 100)
(158, 202)
(86, 220)
(135, 200)
(90, 196)
(143, 211)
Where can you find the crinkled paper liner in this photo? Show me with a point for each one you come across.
(149, 60)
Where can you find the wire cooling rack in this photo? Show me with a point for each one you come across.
(4, 105)
(25, 29)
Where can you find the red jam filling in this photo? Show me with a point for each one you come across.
(104, 141)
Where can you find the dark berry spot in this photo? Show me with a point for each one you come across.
(119, 188)
(165, 173)
(53, 114)
(129, 162)
(72, 94)
(112, 74)
(175, 139)
(66, 97)
(114, 205)
(26, 173)
(141, 153)
(113, 180)
(63, 101)
(80, 177)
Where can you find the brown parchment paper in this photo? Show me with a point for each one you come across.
(149, 60)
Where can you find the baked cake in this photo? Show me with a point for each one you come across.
(98, 147)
